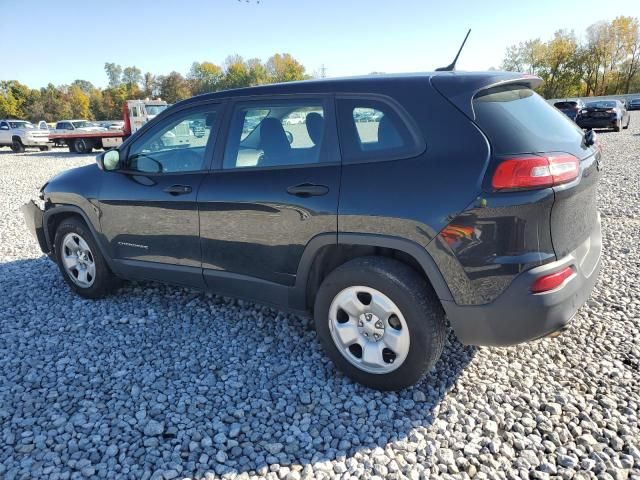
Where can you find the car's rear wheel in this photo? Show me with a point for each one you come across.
(380, 322)
(17, 146)
(82, 145)
(80, 260)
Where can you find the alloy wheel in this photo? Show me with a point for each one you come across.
(78, 260)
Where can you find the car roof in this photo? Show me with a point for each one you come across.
(327, 85)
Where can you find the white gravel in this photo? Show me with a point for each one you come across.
(162, 382)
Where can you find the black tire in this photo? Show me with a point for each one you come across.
(82, 145)
(45, 149)
(72, 147)
(104, 282)
(415, 298)
(618, 127)
(17, 146)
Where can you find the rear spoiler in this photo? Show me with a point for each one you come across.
(460, 88)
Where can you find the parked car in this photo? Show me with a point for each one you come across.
(20, 134)
(76, 126)
(381, 229)
(604, 114)
(634, 104)
(570, 107)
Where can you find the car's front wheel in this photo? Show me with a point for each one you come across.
(80, 260)
(380, 322)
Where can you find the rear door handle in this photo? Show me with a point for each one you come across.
(178, 189)
(308, 190)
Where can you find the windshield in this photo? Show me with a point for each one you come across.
(155, 109)
(82, 124)
(601, 104)
(21, 125)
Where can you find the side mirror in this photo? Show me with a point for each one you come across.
(109, 160)
(289, 136)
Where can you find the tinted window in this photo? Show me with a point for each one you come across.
(281, 133)
(177, 145)
(518, 120)
(373, 130)
(566, 104)
(602, 104)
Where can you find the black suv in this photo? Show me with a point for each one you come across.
(382, 204)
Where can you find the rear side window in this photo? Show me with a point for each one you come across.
(373, 130)
(518, 120)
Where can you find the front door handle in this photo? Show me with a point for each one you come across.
(308, 190)
(178, 190)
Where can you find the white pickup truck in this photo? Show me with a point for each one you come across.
(20, 134)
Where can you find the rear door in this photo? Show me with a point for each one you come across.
(274, 188)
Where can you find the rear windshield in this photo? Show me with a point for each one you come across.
(566, 105)
(518, 120)
(601, 104)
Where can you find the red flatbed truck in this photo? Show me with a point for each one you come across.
(135, 113)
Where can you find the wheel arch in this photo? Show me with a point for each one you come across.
(326, 252)
(54, 216)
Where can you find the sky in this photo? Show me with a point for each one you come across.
(47, 41)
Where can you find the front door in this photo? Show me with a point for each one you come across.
(5, 134)
(275, 187)
(149, 213)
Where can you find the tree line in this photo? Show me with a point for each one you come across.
(82, 99)
(605, 61)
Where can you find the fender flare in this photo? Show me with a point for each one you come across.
(50, 213)
(413, 249)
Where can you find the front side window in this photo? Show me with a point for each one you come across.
(372, 130)
(279, 133)
(177, 145)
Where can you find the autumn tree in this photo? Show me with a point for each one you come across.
(173, 87)
(284, 68)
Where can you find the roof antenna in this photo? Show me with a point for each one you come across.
(452, 66)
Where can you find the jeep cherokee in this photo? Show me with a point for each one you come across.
(384, 205)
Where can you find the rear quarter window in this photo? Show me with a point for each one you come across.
(376, 130)
(517, 120)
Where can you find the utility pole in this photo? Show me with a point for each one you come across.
(323, 71)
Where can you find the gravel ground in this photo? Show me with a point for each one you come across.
(162, 382)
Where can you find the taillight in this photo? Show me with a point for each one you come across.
(535, 171)
(551, 281)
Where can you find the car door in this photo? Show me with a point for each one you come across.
(274, 188)
(148, 207)
(5, 133)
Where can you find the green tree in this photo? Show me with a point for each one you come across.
(114, 74)
(204, 77)
(173, 87)
(132, 76)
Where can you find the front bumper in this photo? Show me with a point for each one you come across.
(36, 142)
(33, 216)
(518, 315)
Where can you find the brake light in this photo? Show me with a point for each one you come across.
(551, 281)
(535, 171)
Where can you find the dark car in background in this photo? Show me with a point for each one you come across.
(634, 104)
(604, 114)
(570, 108)
(367, 211)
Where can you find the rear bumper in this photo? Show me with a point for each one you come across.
(33, 218)
(518, 315)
